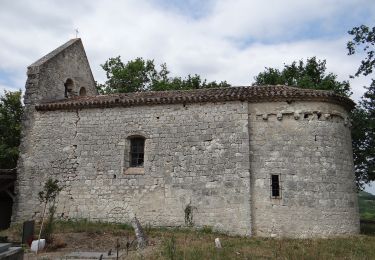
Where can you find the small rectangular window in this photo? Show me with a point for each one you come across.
(137, 146)
(275, 186)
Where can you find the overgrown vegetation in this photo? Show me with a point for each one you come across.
(189, 214)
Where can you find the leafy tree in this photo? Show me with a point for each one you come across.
(363, 37)
(10, 128)
(358, 117)
(136, 75)
(311, 74)
(363, 130)
(141, 75)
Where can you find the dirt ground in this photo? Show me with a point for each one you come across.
(66, 243)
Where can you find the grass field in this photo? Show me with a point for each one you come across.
(366, 203)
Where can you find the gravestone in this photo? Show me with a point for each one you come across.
(28, 232)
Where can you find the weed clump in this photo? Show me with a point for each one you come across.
(189, 214)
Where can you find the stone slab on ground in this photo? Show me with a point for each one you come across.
(12, 253)
(4, 247)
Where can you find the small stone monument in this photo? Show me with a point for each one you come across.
(28, 232)
(217, 243)
(140, 234)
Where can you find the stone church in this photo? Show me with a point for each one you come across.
(253, 161)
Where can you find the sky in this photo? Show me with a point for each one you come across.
(230, 40)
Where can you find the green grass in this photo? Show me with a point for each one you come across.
(188, 243)
(83, 225)
(14, 233)
(186, 247)
(366, 203)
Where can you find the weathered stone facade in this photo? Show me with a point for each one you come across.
(213, 150)
(309, 146)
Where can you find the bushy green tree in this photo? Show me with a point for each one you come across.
(10, 128)
(363, 116)
(310, 74)
(134, 76)
(141, 75)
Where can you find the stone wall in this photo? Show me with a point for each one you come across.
(194, 154)
(216, 157)
(308, 144)
(47, 76)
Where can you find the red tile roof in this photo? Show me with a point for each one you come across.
(251, 94)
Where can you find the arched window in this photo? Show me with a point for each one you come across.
(137, 151)
(69, 85)
(82, 91)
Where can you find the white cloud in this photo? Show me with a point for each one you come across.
(6, 88)
(270, 19)
(370, 187)
(233, 41)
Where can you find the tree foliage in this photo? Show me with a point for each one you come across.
(310, 74)
(141, 75)
(364, 38)
(363, 116)
(10, 128)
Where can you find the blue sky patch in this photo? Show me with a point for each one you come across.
(194, 9)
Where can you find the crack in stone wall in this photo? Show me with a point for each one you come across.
(217, 156)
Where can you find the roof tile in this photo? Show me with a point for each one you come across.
(251, 94)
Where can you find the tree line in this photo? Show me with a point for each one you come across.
(140, 75)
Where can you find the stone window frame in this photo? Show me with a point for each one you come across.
(126, 168)
(279, 186)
